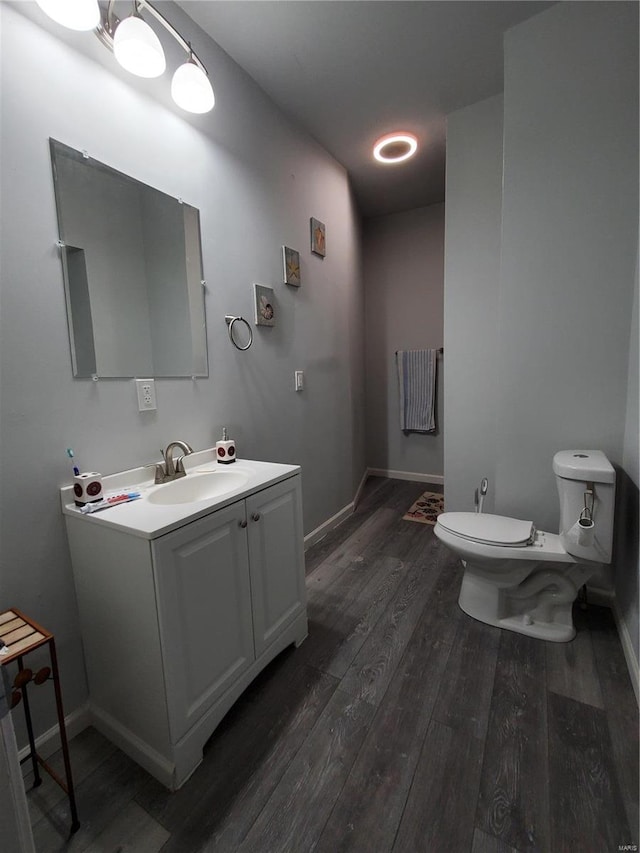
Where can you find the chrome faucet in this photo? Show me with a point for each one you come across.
(170, 470)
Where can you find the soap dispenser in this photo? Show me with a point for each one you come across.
(225, 449)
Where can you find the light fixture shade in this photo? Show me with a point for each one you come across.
(73, 14)
(137, 48)
(191, 89)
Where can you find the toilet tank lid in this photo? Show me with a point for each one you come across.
(487, 528)
(584, 465)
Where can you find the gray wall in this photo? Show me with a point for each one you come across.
(564, 368)
(472, 269)
(256, 180)
(569, 244)
(627, 560)
(403, 258)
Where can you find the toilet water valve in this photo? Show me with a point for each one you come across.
(479, 496)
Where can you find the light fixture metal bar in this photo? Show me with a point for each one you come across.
(109, 22)
(144, 4)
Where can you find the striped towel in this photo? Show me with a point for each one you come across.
(417, 384)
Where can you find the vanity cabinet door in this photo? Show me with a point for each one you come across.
(276, 558)
(204, 608)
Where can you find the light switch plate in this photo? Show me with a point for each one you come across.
(299, 380)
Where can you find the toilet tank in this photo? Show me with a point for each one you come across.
(576, 471)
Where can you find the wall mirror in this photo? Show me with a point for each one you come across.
(132, 266)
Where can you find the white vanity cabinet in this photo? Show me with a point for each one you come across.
(278, 589)
(175, 627)
(227, 585)
(204, 611)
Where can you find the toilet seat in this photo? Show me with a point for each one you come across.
(488, 529)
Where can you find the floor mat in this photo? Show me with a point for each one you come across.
(426, 509)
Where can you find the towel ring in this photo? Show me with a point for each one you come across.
(230, 320)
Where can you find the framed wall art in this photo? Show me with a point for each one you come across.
(318, 242)
(291, 266)
(264, 305)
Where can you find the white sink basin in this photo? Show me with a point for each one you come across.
(197, 486)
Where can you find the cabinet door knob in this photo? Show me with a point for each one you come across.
(255, 516)
(242, 523)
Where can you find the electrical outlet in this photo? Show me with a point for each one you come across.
(146, 390)
(299, 380)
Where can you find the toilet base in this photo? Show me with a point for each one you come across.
(556, 633)
(545, 617)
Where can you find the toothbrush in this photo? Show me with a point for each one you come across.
(114, 500)
(76, 470)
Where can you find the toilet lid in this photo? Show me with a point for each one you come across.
(487, 528)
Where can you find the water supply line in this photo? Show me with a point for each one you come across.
(479, 496)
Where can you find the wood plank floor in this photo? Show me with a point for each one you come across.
(399, 725)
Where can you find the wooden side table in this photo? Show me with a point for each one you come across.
(21, 635)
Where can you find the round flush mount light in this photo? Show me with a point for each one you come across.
(395, 147)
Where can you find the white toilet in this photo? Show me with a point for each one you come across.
(523, 579)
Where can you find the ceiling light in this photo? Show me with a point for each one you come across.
(395, 147)
(137, 48)
(191, 89)
(74, 14)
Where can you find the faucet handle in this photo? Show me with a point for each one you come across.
(158, 470)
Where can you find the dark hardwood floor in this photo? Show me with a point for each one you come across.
(399, 725)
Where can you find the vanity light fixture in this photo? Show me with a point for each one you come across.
(136, 46)
(74, 14)
(395, 147)
(190, 88)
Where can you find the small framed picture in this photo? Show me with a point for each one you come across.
(291, 266)
(318, 243)
(264, 305)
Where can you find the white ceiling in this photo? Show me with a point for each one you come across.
(351, 71)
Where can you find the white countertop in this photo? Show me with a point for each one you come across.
(148, 520)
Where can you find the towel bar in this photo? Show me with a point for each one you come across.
(230, 320)
(440, 351)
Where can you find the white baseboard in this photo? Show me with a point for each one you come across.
(606, 598)
(627, 648)
(49, 742)
(317, 534)
(437, 479)
(152, 761)
(365, 477)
